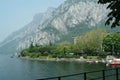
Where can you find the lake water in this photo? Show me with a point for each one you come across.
(21, 69)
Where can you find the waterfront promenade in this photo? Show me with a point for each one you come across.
(107, 74)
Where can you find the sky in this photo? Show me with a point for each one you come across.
(15, 14)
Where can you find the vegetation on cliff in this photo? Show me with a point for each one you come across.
(94, 43)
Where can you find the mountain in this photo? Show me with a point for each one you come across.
(72, 18)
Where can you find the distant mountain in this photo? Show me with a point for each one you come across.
(72, 18)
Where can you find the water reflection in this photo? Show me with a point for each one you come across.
(21, 69)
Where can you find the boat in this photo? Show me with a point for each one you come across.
(11, 56)
(90, 62)
(114, 63)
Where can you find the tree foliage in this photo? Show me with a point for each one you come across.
(111, 43)
(114, 14)
(91, 42)
(62, 49)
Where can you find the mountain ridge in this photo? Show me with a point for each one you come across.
(71, 18)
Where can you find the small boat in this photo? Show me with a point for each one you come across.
(90, 62)
(114, 63)
(11, 56)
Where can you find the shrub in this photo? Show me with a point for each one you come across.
(85, 56)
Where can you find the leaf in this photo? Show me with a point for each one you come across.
(114, 6)
(107, 23)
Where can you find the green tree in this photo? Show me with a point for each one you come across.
(62, 48)
(111, 43)
(31, 45)
(114, 14)
(90, 42)
(25, 52)
(45, 50)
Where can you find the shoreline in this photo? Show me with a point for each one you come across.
(65, 59)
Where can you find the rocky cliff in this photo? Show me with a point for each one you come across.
(72, 18)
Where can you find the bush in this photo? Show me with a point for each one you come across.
(24, 53)
(54, 55)
(45, 53)
(84, 56)
(102, 55)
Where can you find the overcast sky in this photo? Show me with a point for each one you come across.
(15, 14)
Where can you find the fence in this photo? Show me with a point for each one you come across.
(107, 74)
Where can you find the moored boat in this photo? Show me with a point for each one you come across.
(114, 63)
(90, 62)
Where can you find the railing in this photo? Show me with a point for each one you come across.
(108, 74)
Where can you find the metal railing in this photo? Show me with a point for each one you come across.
(112, 74)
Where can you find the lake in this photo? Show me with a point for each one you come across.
(21, 69)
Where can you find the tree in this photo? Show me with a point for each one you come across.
(62, 48)
(111, 43)
(114, 14)
(45, 50)
(31, 45)
(90, 42)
